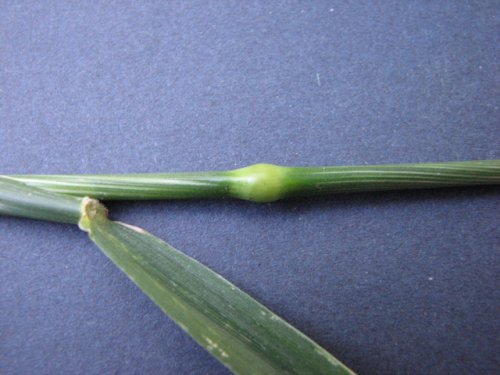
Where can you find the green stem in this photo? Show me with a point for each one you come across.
(327, 180)
(135, 186)
(266, 182)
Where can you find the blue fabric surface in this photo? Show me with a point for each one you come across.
(390, 283)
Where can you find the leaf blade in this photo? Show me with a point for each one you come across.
(240, 332)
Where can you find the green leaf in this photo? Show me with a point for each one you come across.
(240, 332)
(18, 199)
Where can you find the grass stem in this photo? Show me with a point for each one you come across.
(267, 182)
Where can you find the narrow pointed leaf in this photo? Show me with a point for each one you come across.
(240, 332)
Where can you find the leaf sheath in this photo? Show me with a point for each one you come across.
(18, 199)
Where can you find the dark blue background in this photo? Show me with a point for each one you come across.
(390, 283)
